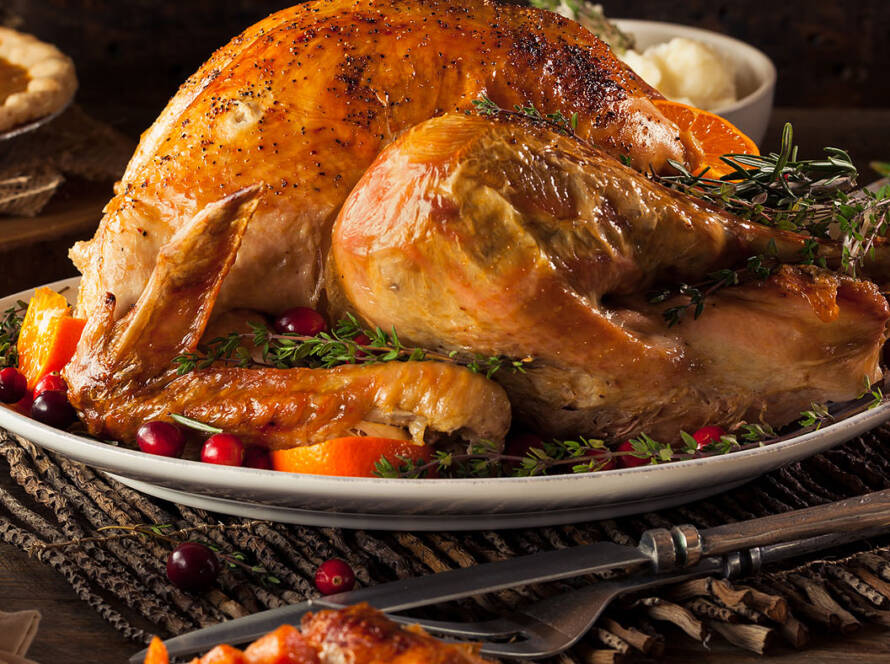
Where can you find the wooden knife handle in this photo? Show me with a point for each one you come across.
(869, 511)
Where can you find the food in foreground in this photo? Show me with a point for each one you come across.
(513, 239)
(357, 635)
(36, 79)
(123, 373)
(305, 100)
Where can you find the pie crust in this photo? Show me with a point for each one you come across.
(36, 79)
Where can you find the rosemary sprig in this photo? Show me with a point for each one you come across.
(10, 326)
(347, 343)
(561, 123)
(816, 197)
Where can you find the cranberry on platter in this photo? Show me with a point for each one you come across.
(13, 385)
(257, 457)
(53, 408)
(50, 383)
(599, 456)
(161, 438)
(629, 460)
(707, 435)
(334, 576)
(224, 449)
(300, 320)
(192, 566)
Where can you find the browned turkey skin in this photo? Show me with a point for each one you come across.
(305, 100)
(507, 238)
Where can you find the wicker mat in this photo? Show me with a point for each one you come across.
(58, 511)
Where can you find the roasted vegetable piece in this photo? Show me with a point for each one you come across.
(157, 653)
(283, 646)
(222, 654)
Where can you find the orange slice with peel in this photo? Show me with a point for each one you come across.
(352, 456)
(48, 337)
(717, 136)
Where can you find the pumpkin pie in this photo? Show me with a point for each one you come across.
(36, 79)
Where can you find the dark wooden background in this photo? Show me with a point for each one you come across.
(132, 55)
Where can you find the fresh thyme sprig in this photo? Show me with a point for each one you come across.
(758, 267)
(10, 326)
(562, 124)
(347, 343)
(586, 455)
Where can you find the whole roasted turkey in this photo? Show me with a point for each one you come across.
(465, 233)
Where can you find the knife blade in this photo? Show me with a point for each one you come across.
(420, 591)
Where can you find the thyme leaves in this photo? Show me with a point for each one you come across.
(561, 123)
(10, 327)
(346, 343)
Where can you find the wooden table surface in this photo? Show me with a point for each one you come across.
(32, 252)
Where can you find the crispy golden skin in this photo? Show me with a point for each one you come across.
(306, 99)
(362, 635)
(507, 238)
(122, 374)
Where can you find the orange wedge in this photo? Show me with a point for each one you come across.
(353, 456)
(716, 135)
(48, 336)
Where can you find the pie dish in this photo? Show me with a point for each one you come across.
(36, 79)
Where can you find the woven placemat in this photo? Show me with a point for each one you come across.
(62, 510)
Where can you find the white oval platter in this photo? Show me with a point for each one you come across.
(450, 504)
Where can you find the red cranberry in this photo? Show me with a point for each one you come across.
(300, 320)
(53, 408)
(599, 456)
(334, 576)
(521, 443)
(192, 566)
(518, 445)
(224, 449)
(629, 460)
(13, 385)
(50, 382)
(361, 339)
(707, 435)
(257, 457)
(161, 438)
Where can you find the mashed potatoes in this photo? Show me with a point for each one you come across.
(687, 71)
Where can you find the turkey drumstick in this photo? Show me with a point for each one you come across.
(508, 238)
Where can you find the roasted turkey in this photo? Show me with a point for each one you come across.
(466, 234)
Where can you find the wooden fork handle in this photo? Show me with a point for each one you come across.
(861, 513)
(685, 545)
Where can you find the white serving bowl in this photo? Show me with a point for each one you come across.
(755, 74)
